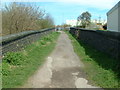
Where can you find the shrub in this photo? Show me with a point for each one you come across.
(42, 42)
(19, 17)
(47, 39)
(13, 58)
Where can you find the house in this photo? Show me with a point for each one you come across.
(71, 22)
(113, 18)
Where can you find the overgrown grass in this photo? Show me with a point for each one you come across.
(101, 70)
(17, 67)
(0, 75)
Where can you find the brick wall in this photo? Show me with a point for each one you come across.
(104, 41)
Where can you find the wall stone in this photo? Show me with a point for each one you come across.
(17, 42)
(105, 41)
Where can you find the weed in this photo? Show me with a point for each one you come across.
(13, 58)
(47, 39)
(42, 42)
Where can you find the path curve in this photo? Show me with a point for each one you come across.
(62, 69)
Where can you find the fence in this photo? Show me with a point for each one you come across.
(16, 42)
(104, 41)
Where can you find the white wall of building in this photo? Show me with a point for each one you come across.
(119, 18)
(112, 20)
(71, 22)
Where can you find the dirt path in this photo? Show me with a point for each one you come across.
(62, 69)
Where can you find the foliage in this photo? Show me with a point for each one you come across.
(85, 18)
(13, 58)
(100, 69)
(18, 17)
(46, 22)
(65, 25)
(105, 26)
(47, 39)
(34, 56)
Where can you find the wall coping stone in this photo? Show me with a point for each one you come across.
(110, 34)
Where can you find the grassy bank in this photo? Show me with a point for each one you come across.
(17, 67)
(0, 76)
(101, 70)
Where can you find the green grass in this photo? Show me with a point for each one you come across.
(0, 76)
(101, 70)
(17, 67)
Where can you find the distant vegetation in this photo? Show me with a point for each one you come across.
(18, 17)
(84, 19)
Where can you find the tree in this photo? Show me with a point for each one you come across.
(85, 19)
(18, 17)
(65, 25)
(105, 26)
(46, 22)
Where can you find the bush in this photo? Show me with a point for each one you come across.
(19, 17)
(47, 39)
(13, 58)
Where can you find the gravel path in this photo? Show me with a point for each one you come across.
(62, 69)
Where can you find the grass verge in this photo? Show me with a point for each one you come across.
(17, 67)
(101, 70)
(0, 75)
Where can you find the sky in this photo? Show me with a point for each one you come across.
(62, 10)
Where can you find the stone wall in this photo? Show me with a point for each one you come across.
(105, 41)
(16, 42)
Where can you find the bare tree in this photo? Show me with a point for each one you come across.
(46, 22)
(18, 17)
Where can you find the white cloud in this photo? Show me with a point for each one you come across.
(101, 4)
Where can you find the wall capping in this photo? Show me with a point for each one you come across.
(12, 37)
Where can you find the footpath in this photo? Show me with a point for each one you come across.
(62, 69)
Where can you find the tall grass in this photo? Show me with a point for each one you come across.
(0, 75)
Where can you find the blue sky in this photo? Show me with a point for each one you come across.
(62, 10)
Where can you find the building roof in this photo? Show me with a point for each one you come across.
(114, 8)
